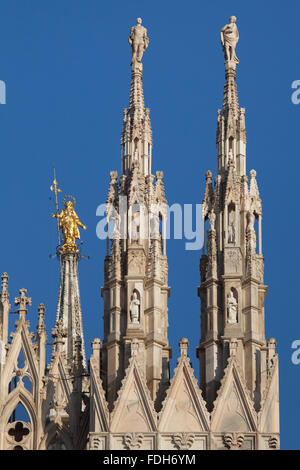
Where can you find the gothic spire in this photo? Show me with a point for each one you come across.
(68, 312)
(231, 132)
(136, 137)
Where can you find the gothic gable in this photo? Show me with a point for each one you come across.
(233, 409)
(21, 359)
(184, 409)
(99, 416)
(134, 409)
(58, 390)
(269, 414)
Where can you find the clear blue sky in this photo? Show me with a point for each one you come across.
(66, 67)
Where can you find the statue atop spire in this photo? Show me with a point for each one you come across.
(138, 41)
(68, 223)
(229, 40)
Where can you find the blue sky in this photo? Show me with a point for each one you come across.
(66, 68)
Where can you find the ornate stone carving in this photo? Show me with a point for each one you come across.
(233, 441)
(136, 263)
(183, 440)
(212, 254)
(203, 267)
(259, 265)
(134, 440)
(273, 442)
(232, 260)
(96, 443)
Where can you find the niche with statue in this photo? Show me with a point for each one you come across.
(135, 308)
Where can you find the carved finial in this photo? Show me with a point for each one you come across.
(96, 344)
(138, 41)
(229, 40)
(183, 346)
(96, 347)
(59, 333)
(208, 175)
(4, 285)
(22, 301)
(253, 190)
(41, 318)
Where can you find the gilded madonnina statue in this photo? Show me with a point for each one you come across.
(68, 224)
(229, 40)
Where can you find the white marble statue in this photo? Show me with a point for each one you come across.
(251, 219)
(212, 220)
(231, 308)
(135, 309)
(229, 40)
(138, 41)
(231, 228)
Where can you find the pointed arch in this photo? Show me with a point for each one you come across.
(21, 344)
(19, 395)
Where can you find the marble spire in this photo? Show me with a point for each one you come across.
(231, 131)
(136, 137)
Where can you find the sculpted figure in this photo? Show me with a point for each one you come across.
(68, 223)
(134, 309)
(229, 39)
(251, 219)
(138, 41)
(135, 227)
(231, 228)
(212, 220)
(232, 308)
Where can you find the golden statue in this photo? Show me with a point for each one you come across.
(68, 222)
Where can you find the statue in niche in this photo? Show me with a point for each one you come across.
(229, 40)
(154, 225)
(231, 228)
(135, 226)
(135, 309)
(231, 308)
(212, 220)
(251, 219)
(138, 41)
